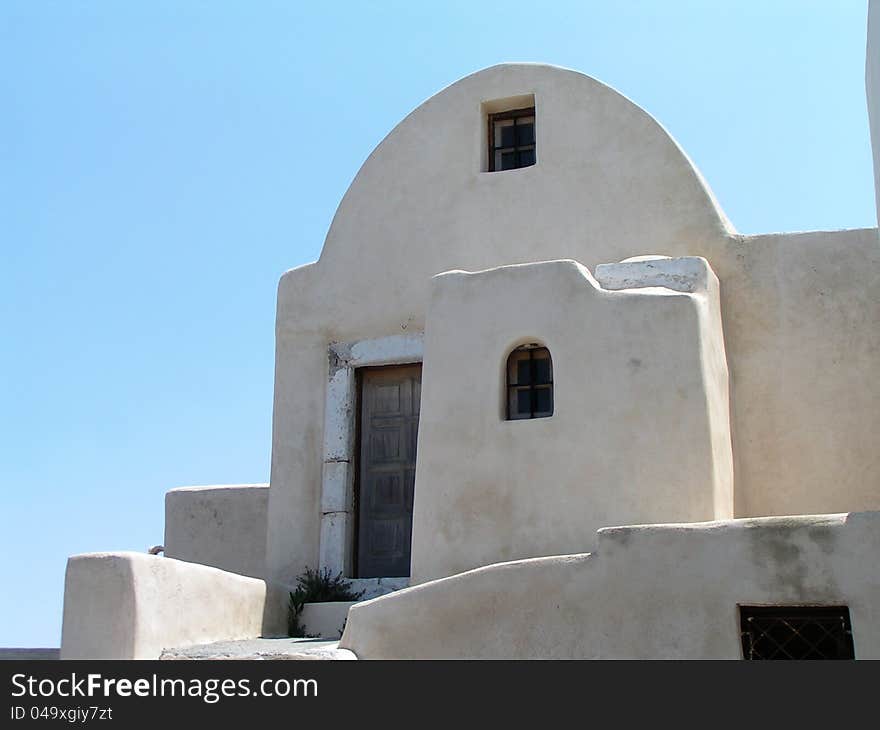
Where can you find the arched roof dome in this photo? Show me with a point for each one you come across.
(609, 182)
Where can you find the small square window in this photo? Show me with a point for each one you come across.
(512, 139)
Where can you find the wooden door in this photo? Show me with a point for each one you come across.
(389, 425)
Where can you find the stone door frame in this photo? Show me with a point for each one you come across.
(336, 548)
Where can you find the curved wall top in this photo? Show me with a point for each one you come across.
(609, 182)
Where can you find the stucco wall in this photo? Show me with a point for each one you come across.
(325, 620)
(223, 526)
(683, 582)
(527, 609)
(132, 605)
(802, 329)
(800, 315)
(651, 592)
(632, 438)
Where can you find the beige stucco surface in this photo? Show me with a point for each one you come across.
(222, 526)
(803, 343)
(635, 435)
(532, 608)
(133, 605)
(325, 620)
(799, 310)
(652, 592)
(674, 589)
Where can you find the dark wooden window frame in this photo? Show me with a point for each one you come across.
(796, 632)
(512, 114)
(533, 386)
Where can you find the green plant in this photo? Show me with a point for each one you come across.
(316, 586)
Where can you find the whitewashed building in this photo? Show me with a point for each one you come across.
(538, 398)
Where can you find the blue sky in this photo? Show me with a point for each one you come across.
(163, 163)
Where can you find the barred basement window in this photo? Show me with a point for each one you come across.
(512, 139)
(796, 632)
(529, 383)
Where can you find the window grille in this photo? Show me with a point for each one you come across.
(529, 383)
(796, 632)
(511, 139)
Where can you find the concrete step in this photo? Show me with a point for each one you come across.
(262, 649)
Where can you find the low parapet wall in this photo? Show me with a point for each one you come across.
(223, 526)
(674, 590)
(524, 609)
(132, 605)
(650, 592)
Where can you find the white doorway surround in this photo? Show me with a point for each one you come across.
(340, 426)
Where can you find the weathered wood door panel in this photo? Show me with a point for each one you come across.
(389, 424)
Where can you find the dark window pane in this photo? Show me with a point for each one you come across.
(526, 158)
(508, 136)
(529, 383)
(523, 372)
(503, 127)
(513, 364)
(512, 139)
(524, 401)
(544, 401)
(513, 407)
(525, 134)
(542, 369)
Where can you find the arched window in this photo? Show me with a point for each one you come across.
(529, 383)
